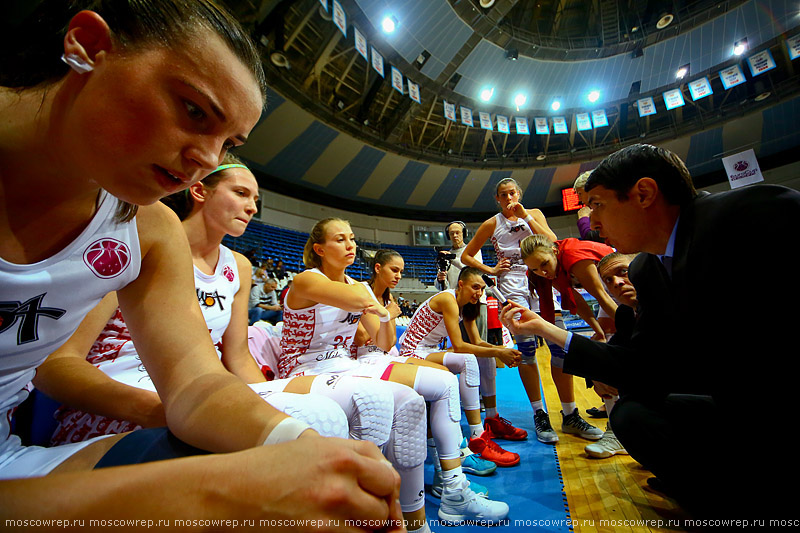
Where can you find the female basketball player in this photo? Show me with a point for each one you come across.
(506, 230)
(322, 311)
(149, 97)
(221, 204)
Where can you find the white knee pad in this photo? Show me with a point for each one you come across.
(367, 403)
(488, 368)
(322, 414)
(463, 363)
(439, 385)
(407, 445)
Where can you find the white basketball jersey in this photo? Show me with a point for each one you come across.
(316, 339)
(506, 241)
(42, 304)
(425, 332)
(215, 293)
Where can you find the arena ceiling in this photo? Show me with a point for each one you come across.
(336, 132)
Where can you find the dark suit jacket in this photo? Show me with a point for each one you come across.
(722, 323)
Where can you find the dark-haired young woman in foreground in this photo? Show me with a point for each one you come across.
(150, 96)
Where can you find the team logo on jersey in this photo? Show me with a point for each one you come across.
(351, 318)
(107, 258)
(27, 314)
(210, 299)
(228, 273)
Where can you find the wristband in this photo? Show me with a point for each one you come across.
(287, 429)
(529, 219)
(385, 319)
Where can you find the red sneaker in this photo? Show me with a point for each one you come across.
(500, 428)
(491, 451)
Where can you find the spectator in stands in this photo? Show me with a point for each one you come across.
(269, 267)
(280, 270)
(264, 304)
(643, 200)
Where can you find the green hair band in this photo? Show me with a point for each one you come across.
(225, 167)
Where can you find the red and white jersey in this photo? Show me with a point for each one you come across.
(42, 304)
(215, 293)
(426, 330)
(317, 339)
(506, 240)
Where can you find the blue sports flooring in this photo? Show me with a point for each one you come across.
(533, 489)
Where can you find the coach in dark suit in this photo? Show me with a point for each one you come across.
(710, 364)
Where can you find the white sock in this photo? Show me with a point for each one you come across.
(609, 403)
(423, 529)
(453, 479)
(475, 431)
(537, 405)
(568, 407)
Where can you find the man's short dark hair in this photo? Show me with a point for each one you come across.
(621, 170)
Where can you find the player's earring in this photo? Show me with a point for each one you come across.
(76, 63)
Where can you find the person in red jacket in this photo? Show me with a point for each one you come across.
(567, 264)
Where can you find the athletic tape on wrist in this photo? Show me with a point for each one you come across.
(287, 429)
(529, 219)
(386, 318)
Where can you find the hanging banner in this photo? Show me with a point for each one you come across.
(397, 79)
(760, 63)
(583, 121)
(560, 125)
(742, 169)
(324, 4)
(339, 18)
(540, 126)
(361, 44)
(466, 116)
(449, 111)
(599, 118)
(377, 62)
(673, 98)
(502, 124)
(522, 125)
(646, 106)
(413, 91)
(793, 44)
(700, 88)
(486, 120)
(731, 76)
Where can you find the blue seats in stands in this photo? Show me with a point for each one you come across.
(270, 242)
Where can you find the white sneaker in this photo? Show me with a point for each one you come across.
(607, 446)
(462, 504)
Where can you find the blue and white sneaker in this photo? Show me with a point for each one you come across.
(475, 464)
(436, 487)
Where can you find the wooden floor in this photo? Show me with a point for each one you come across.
(604, 494)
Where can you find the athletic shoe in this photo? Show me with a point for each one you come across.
(500, 428)
(491, 451)
(574, 424)
(594, 412)
(607, 446)
(436, 486)
(544, 431)
(461, 505)
(475, 464)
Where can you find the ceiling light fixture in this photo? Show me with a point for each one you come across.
(487, 93)
(740, 47)
(389, 24)
(520, 100)
(682, 72)
(556, 105)
(486, 4)
(512, 54)
(664, 20)
(593, 96)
